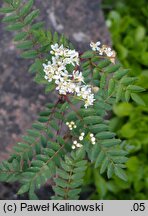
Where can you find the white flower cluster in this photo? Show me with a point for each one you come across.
(71, 125)
(107, 51)
(81, 137)
(103, 50)
(76, 144)
(56, 70)
(92, 138)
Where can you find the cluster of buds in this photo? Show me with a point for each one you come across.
(81, 137)
(71, 125)
(76, 144)
(104, 50)
(92, 138)
(67, 83)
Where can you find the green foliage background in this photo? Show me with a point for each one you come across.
(128, 24)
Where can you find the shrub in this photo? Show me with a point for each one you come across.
(83, 102)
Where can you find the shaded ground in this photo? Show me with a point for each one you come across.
(20, 98)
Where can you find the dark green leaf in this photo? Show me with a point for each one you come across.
(25, 45)
(26, 8)
(15, 27)
(31, 16)
(87, 54)
(99, 159)
(10, 18)
(20, 36)
(110, 170)
(120, 173)
(120, 73)
(29, 54)
(137, 99)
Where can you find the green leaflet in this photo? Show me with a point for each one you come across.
(119, 93)
(103, 63)
(25, 45)
(15, 27)
(99, 159)
(120, 173)
(110, 142)
(55, 38)
(10, 18)
(128, 80)
(87, 54)
(30, 17)
(110, 170)
(104, 165)
(137, 99)
(6, 10)
(105, 135)
(38, 126)
(37, 26)
(92, 119)
(111, 69)
(50, 87)
(26, 8)
(98, 128)
(23, 189)
(135, 88)
(29, 54)
(111, 86)
(20, 36)
(36, 67)
(127, 95)
(120, 73)
(103, 81)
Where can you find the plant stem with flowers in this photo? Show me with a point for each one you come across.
(87, 86)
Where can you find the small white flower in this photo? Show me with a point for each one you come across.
(80, 137)
(108, 52)
(77, 75)
(82, 134)
(54, 47)
(100, 52)
(91, 135)
(79, 145)
(95, 46)
(93, 139)
(75, 142)
(77, 89)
